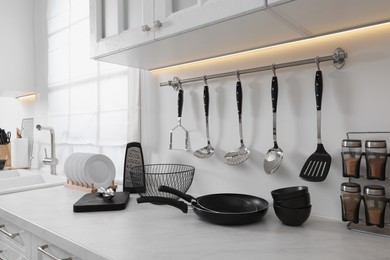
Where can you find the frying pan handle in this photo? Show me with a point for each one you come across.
(274, 93)
(318, 89)
(182, 195)
(206, 100)
(180, 102)
(161, 200)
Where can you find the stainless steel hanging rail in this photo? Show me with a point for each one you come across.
(338, 59)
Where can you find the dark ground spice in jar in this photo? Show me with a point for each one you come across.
(351, 166)
(376, 166)
(350, 196)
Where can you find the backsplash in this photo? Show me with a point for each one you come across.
(350, 103)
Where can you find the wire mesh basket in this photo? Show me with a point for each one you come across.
(148, 178)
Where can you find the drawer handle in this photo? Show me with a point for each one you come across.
(157, 24)
(145, 28)
(42, 250)
(11, 235)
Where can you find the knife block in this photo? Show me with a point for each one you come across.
(5, 151)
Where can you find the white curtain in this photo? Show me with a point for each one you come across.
(93, 106)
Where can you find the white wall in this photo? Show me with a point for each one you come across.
(356, 98)
(16, 47)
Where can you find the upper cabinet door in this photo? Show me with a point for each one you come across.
(117, 25)
(174, 17)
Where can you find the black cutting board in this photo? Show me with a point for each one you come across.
(93, 202)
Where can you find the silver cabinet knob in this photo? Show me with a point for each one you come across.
(157, 24)
(145, 28)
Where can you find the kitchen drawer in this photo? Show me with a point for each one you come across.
(43, 250)
(7, 253)
(15, 237)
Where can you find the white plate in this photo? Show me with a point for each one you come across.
(80, 175)
(72, 167)
(99, 170)
(67, 166)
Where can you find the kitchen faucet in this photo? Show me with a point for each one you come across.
(52, 161)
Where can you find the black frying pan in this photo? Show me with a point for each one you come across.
(222, 209)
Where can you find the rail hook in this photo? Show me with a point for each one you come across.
(205, 80)
(238, 75)
(273, 67)
(317, 59)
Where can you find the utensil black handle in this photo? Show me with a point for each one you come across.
(161, 200)
(318, 89)
(182, 195)
(274, 93)
(239, 97)
(206, 100)
(180, 102)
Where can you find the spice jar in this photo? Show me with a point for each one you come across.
(350, 201)
(376, 157)
(375, 205)
(351, 153)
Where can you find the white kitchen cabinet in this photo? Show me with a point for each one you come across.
(44, 250)
(204, 29)
(17, 48)
(316, 17)
(7, 253)
(122, 25)
(15, 237)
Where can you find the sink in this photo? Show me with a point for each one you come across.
(21, 180)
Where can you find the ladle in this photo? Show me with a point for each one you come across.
(241, 154)
(208, 150)
(273, 158)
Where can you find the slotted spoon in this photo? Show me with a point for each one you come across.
(241, 154)
(317, 166)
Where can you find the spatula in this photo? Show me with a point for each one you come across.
(317, 166)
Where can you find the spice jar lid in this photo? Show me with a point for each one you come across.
(375, 144)
(374, 190)
(351, 143)
(350, 187)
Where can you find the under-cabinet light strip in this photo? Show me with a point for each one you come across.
(338, 58)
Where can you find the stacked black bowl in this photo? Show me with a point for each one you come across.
(292, 205)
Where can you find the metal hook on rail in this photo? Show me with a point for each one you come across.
(238, 75)
(317, 59)
(205, 80)
(273, 67)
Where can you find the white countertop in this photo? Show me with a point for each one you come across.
(146, 231)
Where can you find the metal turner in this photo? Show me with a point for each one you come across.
(317, 166)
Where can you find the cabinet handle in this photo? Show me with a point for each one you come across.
(11, 235)
(145, 28)
(42, 250)
(157, 24)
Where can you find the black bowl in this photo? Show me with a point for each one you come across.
(2, 164)
(298, 202)
(289, 192)
(292, 217)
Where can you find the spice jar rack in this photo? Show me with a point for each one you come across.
(366, 179)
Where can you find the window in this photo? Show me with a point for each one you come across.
(90, 104)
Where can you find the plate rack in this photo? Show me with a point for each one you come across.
(86, 188)
(361, 226)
